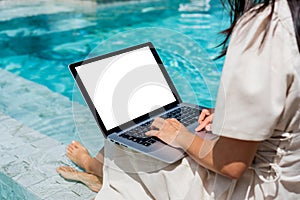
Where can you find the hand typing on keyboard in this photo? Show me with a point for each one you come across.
(172, 132)
(183, 115)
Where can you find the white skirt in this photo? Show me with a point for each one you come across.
(132, 175)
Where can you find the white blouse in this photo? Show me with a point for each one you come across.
(259, 100)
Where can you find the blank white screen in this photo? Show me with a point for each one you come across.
(125, 86)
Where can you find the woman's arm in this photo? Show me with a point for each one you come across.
(229, 157)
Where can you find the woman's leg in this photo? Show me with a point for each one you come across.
(80, 156)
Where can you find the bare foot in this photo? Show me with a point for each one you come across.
(78, 154)
(91, 181)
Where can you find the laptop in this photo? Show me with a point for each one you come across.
(125, 90)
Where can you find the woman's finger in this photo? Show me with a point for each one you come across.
(158, 123)
(152, 133)
(203, 115)
(174, 122)
(204, 123)
(200, 127)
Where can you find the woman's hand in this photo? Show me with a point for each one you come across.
(168, 130)
(205, 120)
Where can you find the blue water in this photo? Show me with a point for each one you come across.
(39, 46)
(40, 38)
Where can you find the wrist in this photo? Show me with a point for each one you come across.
(184, 139)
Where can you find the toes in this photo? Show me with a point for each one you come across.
(78, 145)
(74, 144)
(65, 169)
(70, 169)
(69, 153)
(59, 169)
(69, 150)
(68, 173)
(70, 147)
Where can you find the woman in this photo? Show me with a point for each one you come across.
(257, 119)
(258, 107)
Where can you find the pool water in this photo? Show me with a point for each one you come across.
(41, 38)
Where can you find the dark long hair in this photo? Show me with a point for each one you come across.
(238, 7)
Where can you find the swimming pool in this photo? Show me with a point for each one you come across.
(39, 38)
(40, 45)
(42, 37)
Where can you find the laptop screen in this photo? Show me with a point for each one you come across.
(125, 86)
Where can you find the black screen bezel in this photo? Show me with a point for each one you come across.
(87, 98)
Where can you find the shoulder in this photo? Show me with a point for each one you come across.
(256, 76)
(259, 25)
(270, 39)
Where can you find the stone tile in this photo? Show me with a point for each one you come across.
(82, 191)
(9, 189)
(65, 195)
(11, 144)
(52, 112)
(5, 136)
(44, 162)
(58, 188)
(51, 186)
(24, 150)
(30, 178)
(22, 131)
(10, 128)
(16, 168)
(45, 143)
(29, 158)
(77, 192)
(6, 158)
(31, 136)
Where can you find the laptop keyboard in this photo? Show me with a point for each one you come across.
(186, 115)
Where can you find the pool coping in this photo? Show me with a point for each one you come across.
(30, 150)
(28, 160)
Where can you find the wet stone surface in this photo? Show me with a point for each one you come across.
(36, 125)
(30, 167)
